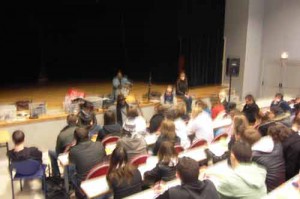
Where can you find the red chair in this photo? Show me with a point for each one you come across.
(98, 170)
(140, 159)
(110, 139)
(219, 137)
(178, 148)
(198, 143)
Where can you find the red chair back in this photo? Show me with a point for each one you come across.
(110, 139)
(140, 159)
(198, 143)
(219, 137)
(98, 170)
(178, 148)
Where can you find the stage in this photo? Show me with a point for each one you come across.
(53, 93)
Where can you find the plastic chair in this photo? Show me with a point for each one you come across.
(219, 137)
(178, 148)
(198, 143)
(26, 170)
(140, 159)
(98, 170)
(110, 139)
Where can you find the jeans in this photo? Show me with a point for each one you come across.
(188, 102)
(54, 165)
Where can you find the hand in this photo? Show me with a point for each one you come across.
(159, 187)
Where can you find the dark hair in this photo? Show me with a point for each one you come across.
(166, 152)
(119, 168)
(202, 104)
(251, 135)
(280, 95)
(89, 106)
(250, 97)
(279, 132)
(109, 117)
(171, 113)
(182, 73)
(18, 137)
(132, 112)
(242, 151)
(72, 119)
(81, 134)
(188, 169)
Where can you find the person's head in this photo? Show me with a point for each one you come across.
(160, 109)
(169, 90)
(109, 117)
(249, 99)
(132, 112)
(167, 129)
(196, 111)
(166, 152)
(72, 119)
(214, 99)
(81, 134)
(279, 132)
(202, 104)
(240, 153)
(118, 157)
(119, 74)
(296, 124)
(240, 123)
(180, 110)
(222, 95)
(171, 113)
(234, 112)
(18, 137)
(182, 76)
(121, 100)
(87, 106)
(188, 170)
(278, 97)
(129, 127)
(251, 136)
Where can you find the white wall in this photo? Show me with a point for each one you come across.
(235, 32)
(252, 82)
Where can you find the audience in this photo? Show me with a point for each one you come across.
(168, 97)
(267, 153)
(64, 140)
(87, 118)
(167, 133)
(157, 118)
(250, 109)
(140, 122)
(192, 188)
(123, 178)
(133, 142)
(20, 152)
(201, 125)
(182, 91)
(216, 107)
(165, 169)
(246, 180)
(279, 102)
(181, 127)
(110, 126)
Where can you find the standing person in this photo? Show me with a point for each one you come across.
(278, 101)
(64, 139)
(182, 91)
(191, 187)
(123, 178)
(122, 109)
(168, 97)
(250, 109)
(120, 82)
(20, 152)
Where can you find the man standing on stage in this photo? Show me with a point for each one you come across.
(120, 85)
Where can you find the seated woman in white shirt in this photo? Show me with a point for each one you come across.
(200, 125)
(181, 126)
(140, 122)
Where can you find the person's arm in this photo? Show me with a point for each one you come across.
(116, 83)
(58, 147)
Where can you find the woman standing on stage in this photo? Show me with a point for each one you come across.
(182, 90)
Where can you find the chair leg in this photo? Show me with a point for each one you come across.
(21, 185)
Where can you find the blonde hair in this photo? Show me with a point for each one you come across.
(251, 135)
(196, 111)
(167, 129)
(240, 123)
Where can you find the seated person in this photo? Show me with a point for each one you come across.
(110, 126)
(250, 109)
(182, 91)
(167, 133)
(120, 82)
(165, 169)
(157, 119)
(85, 154)
(279, 102)
(180, 126)
(192, 188)
(268, 154)
(216, 107)
(121, 109)
(133, 142)
(123, 178)
(63, 141)
(140, 122)
(246, 180)
(20, 152)
(168, 97)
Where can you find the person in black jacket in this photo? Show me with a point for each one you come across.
(20, 152)
(110, 126)
(165, 169)
(191, 187)
(250, 109)
(182, 91)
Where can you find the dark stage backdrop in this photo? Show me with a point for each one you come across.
(85, 39)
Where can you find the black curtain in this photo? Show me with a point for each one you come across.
(201, 29)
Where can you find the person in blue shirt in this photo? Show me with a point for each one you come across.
(121, 85)
(278, 101)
